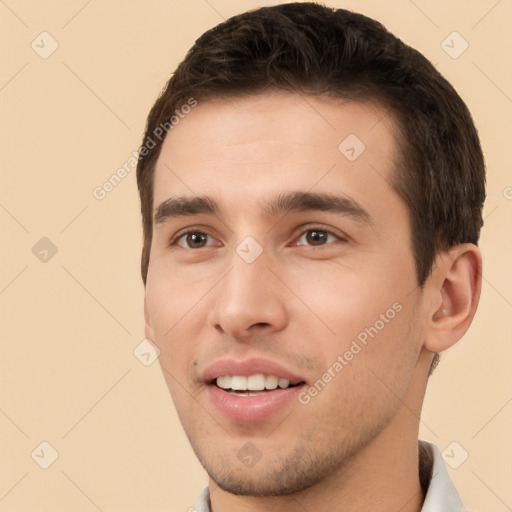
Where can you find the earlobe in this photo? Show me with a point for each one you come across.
(455, 286)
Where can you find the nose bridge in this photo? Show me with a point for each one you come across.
(249, 294)
(247, 281)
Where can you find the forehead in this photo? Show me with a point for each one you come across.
(261, 144)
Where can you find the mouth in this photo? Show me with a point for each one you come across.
(252, 389)
(253, 385)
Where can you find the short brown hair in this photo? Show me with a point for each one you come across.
(311, 49)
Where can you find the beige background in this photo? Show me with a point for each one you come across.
(69, 325)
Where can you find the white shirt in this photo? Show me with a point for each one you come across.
(441, 494)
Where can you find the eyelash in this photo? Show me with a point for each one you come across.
(341, 238)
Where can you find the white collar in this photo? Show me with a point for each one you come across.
(441, 494)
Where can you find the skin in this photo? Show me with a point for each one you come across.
(300, 304)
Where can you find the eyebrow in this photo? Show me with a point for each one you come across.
(278, 205)
(185, 206)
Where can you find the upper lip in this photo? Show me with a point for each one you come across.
(246, 367)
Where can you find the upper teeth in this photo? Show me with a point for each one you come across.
(256, 382)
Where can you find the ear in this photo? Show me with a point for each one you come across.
(454, 287)
(149, 332)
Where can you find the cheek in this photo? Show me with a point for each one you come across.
(362, 322)
(176, 310)
(173, 297)
(371, 375)
(343, 300)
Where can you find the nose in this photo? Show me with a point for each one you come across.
(249, 300)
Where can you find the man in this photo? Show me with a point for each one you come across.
(311, 192)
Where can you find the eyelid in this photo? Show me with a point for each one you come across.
(319, 227)
(191, 229)
(299, 232)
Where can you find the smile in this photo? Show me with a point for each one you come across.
(251, 390)
(243, 385)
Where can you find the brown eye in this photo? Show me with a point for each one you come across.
(193, 240)
(316, 237)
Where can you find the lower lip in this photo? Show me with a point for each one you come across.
(252, 408)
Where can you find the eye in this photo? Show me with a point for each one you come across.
(194, 240)
(317, 237)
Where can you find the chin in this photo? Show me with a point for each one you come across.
(263, 485)
(292, 473)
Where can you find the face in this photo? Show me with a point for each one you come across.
(281, 288)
